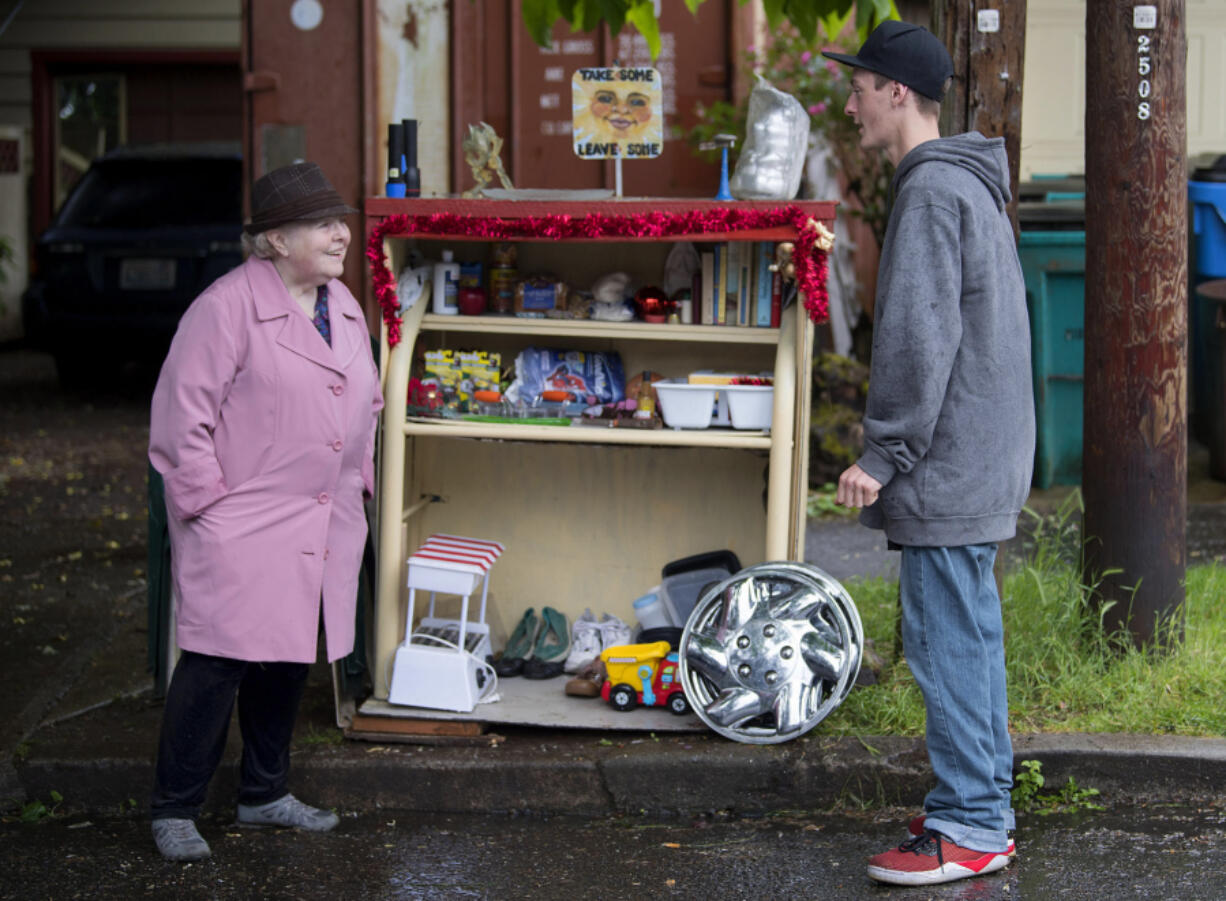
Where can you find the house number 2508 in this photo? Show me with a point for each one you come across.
(1143, 67)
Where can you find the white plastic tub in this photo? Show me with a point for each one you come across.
(685, 406)
(750, 406)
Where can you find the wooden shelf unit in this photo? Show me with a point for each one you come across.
(588, 515)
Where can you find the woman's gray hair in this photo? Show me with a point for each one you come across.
(258, 246)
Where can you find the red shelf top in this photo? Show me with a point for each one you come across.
(380, 207)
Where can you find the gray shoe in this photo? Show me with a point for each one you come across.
(177, 839)
(289, 812)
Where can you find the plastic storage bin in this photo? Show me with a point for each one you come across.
(1207, 197)
(682, 581)
(685, 406)
(1052, 251)
(750, 406)
(681, 591)
(1207, 206)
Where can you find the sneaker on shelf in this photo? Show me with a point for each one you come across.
(614, 632)
(288, 812)
(584, 643)
(916, 827)
(178, 839)
(930, 858)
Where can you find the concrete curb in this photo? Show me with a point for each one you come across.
(584, 774)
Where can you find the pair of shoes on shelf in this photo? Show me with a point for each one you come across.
(552, 646)
(592, 637)
(588, 681)
(287, 812)
(178, 839)
(930, 858)
(538, 647)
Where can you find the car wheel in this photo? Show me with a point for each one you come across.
(678, 704)
(623, 697)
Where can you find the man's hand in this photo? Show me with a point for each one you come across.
(857, 488)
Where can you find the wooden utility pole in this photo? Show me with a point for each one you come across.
(987, 41)
(1134, 464)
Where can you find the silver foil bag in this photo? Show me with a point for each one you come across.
(776, 140)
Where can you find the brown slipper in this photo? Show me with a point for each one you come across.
(587, 681)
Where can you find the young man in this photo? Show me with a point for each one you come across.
(948, 439)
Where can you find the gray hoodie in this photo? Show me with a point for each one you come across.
(949, 426)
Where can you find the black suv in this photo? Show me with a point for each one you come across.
(141, 235)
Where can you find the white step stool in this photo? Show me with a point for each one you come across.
(440, 666)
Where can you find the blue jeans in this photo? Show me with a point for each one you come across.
(954, 643)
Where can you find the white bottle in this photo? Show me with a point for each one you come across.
(446, 285)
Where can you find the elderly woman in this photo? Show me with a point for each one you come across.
(262, 427)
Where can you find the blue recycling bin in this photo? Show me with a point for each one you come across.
(1207, 205)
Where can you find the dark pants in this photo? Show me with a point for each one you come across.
(197, 717)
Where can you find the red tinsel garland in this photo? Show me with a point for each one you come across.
(810, 260)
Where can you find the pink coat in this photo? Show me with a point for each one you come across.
(264, 436)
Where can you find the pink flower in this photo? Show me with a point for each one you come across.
(818, 108)
(833, 67)
(806, 56)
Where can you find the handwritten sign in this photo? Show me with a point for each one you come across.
(617, 112)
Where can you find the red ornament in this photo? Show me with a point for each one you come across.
(652, 304)
(809, 259)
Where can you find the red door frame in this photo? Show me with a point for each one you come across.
(43, 68)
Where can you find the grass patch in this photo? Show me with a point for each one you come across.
(1065, 674)
(316, 736)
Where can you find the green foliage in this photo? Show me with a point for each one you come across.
(793, 63)
(804, 15)
(1066, 673)
(35, 811)
(821, 503)
(1027, 797)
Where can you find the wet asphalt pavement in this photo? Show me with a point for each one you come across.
(1175, 853)
(72, 577)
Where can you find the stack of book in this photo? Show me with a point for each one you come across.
(736, 285)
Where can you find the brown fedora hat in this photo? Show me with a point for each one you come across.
(293, 193)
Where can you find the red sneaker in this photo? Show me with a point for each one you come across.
(916, 827)
(930, 858)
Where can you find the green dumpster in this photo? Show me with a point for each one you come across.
(1052, 251)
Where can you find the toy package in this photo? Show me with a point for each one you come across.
(585, 377)
(479, 371)
(442, 372)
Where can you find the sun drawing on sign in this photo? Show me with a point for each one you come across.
(613, 112)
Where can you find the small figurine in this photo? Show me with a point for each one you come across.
(784, 264)
(482, 152)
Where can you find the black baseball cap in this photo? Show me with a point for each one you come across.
(909, 54)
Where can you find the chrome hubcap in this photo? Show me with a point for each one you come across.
(770, 652)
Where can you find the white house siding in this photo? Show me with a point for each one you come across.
(105, 24)
(86, 25)
(1053, 99)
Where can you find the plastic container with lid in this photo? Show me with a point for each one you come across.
(650, 612)
(1207, 196)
